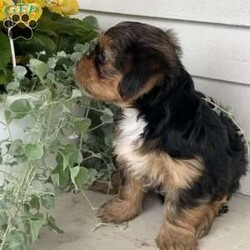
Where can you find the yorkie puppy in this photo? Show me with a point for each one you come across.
(167, 136)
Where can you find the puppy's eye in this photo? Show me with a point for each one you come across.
(101, 57)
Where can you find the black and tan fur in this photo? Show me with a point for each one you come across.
(166, 137)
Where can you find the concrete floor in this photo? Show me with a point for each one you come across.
(74, 215)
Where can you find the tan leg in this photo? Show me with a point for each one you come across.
(181, 228)
(127, 205)
(211, 213)
(176, 233)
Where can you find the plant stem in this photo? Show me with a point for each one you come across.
(12, 48)
(5, 233)
(3, 123)
(98, 126)
(8, 129)
(87, 199)
(230, 116)
(97, 110)
(25, 184)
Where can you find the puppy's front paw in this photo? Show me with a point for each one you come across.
(117, 211)
(168, 240)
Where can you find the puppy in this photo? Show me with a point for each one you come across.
(167, 137)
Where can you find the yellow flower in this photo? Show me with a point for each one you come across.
(34, 10)
(39, 2)
(7, 2)
(36, 13)
(3, 4)
(37, 10)
(63, 7)
(2, 13)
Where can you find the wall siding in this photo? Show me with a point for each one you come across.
(219, 47)
(215, 38)
(228, 12)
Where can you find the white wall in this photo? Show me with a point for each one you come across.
(215, 37)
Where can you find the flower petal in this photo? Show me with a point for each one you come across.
(63, 7)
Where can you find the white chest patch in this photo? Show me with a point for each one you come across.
(129, 140)
(158, 167)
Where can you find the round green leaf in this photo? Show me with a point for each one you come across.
(39, 68)
(16, 148)
(18, 109)
(106, 119)
(76, 56)
(107, 116)
(90, 21)
(34, 151)
(79, 176)
(19, 72)
(81, 125)
(13, 86)
(20, 106)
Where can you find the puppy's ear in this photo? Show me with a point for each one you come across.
(133, 81)
(140, 67)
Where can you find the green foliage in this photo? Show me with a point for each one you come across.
(18, 109)
(39, 68)
(54, 33)
(19, 72)
(62, 147)
(67, 141)
(34, 151)
(5, 58)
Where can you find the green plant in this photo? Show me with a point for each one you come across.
(54, 33)
(65, 142)
(62, 146)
